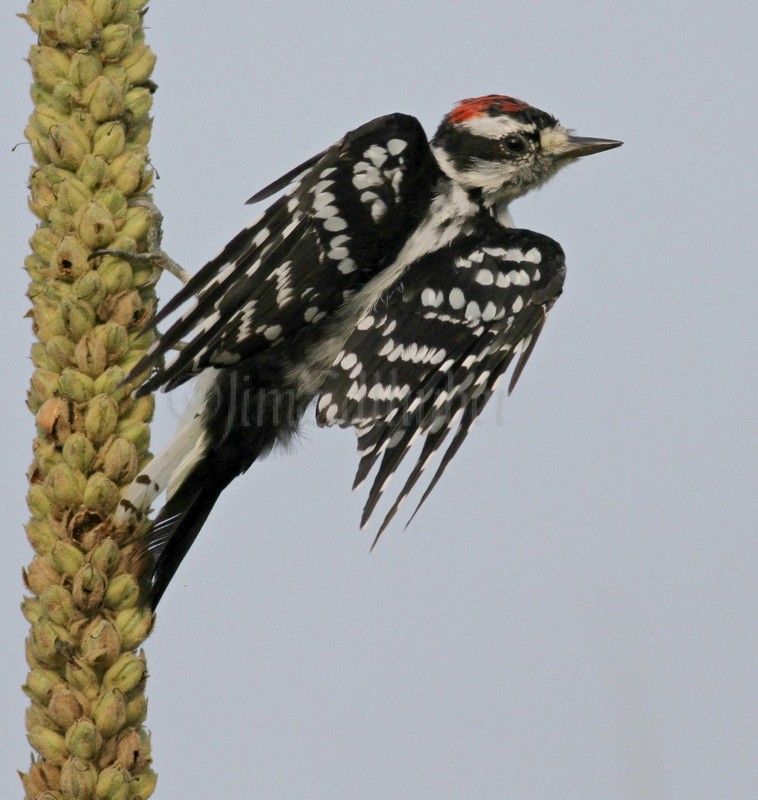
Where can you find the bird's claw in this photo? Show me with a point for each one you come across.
(155, 254)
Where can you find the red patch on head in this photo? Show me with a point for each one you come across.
(477, 106)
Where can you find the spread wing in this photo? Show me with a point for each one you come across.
(294, 266)
(427, 359)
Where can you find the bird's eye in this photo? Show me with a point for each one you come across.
(514, 144)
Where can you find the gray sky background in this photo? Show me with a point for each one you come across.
(573, 614)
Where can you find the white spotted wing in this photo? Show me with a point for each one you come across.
(425, 361)
(294, 267)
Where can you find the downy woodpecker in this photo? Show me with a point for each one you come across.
(388, 283)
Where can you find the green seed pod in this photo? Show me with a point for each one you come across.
(81, 676)
(41, 200)
(66, 556)
(88, 589)
(66, 706)
(105, 556)
(110, 382)
(75, 25)
(141, 131)
(46, 454)
(78, 452)
(40, 683)
(147, 181)
(138, 433)
(114, 202)
(36, 715)
(40, 358)
(43, 386)
(104, 99)
(137, 224)
(48, 642)
(109, 140)
(138, 103)
(47, 320)
(100, 643)
(108, 10)
(82, 118)
(44, 242)
(66, 488)
(145, 275)
(142, 409)
(39, 271)
(67, 145)
(70, 259)
(38, 501)
(89, 288)
(143, 784)
(48, 65)
(117, 40)
(93, 170)
(100, 419)
(49, 744)
(127, 673)
(83, 739)
(65, 97)
(60, 223)
(134, 625)
(38, 142)
(122, 593)
(43, 10)
(60, 351)
(96, 226)
(32, 609)
(115, 339)
(113, 784)
(55, 290)
(120, 461)
(76, 386)
(117, 74)
(85, 67)
(90, 355)
(48, 116)
(78, 779)
(139, 64)
(101, 494)
(72, 195)
(127, 170)
(115, 273)
(78, 317)
(42, 535)
(109, 712)
(57, 602)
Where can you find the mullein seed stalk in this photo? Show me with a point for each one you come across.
(88, 132)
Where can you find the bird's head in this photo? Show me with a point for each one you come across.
(505, 147)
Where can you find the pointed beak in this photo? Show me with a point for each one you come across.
(578, 146)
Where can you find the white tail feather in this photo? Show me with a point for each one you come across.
(171, 466)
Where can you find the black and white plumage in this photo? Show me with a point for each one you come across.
(388, 283)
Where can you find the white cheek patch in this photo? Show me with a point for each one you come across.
(554, 140)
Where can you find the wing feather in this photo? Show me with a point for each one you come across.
(433, 357)
(294, 267)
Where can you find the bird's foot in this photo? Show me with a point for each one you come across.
(154, 254)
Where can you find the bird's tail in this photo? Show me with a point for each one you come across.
(224, 431)
(178, 524)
